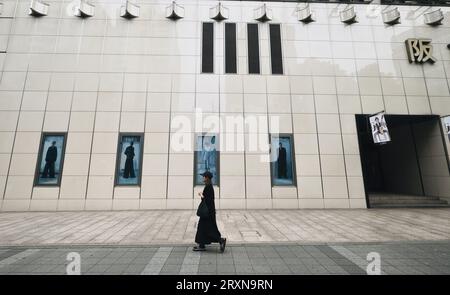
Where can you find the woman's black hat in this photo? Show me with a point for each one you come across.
(207, 174)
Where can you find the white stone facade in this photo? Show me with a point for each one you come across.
(98, 76)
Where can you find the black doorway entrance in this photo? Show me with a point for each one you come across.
(400, 173)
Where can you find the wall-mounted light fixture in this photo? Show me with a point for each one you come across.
(304, 13)
(433, 18)
(219, 12)
(263, 14)
(391, 16)
(84, 9)
(348, 15)
(129, 10)
(174, 11)
(38, 8)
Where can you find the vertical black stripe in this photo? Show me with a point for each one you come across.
(253, 48)
(208, 48)
(275, 49)
(230, 48)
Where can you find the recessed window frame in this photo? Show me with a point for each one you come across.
(225, 49)
(40, 155)
(294, 168)
(217, 135)
(118, 157)
(281, 49)
(259, 48)
(202, 47)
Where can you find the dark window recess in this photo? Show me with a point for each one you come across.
(352, 1)
(253, 48)
(208, 48)
(275, 49)
(230, 48)
(417, 2)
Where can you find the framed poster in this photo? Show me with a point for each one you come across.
(50, 159)
(129, 159)
(282, 162)
(446, 124)
(446, 128)
(206, 157)
(379, 129)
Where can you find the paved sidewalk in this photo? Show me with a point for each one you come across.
(177, 227)
(340, 259)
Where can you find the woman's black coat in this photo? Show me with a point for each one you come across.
(207, 231)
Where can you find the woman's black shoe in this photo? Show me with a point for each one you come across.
(198, 248)
(223, 243)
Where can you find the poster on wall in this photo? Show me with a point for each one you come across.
(380, 131)
(282, 163)
(51, 158)
(129, 159)
(206, 157)
(446, 121)
(446, 128)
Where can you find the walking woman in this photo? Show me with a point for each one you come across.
(207, 231)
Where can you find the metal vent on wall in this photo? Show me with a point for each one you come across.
(304, 13)
(348, 15)
(433, 18)
(174, 11)
(85, 9)
(38, 8)
(129, 10)
(263, 13)
(219, 12)
(391, 16)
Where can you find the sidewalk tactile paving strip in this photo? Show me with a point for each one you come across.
(396, 258)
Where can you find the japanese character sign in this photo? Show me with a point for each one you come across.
(419, 50)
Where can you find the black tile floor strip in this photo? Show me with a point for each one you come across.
(10, 253)
(406, 258)
(346, 264)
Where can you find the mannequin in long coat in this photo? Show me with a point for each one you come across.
(50, 159)
(282, 163)
(207, 231)
(129, 166)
